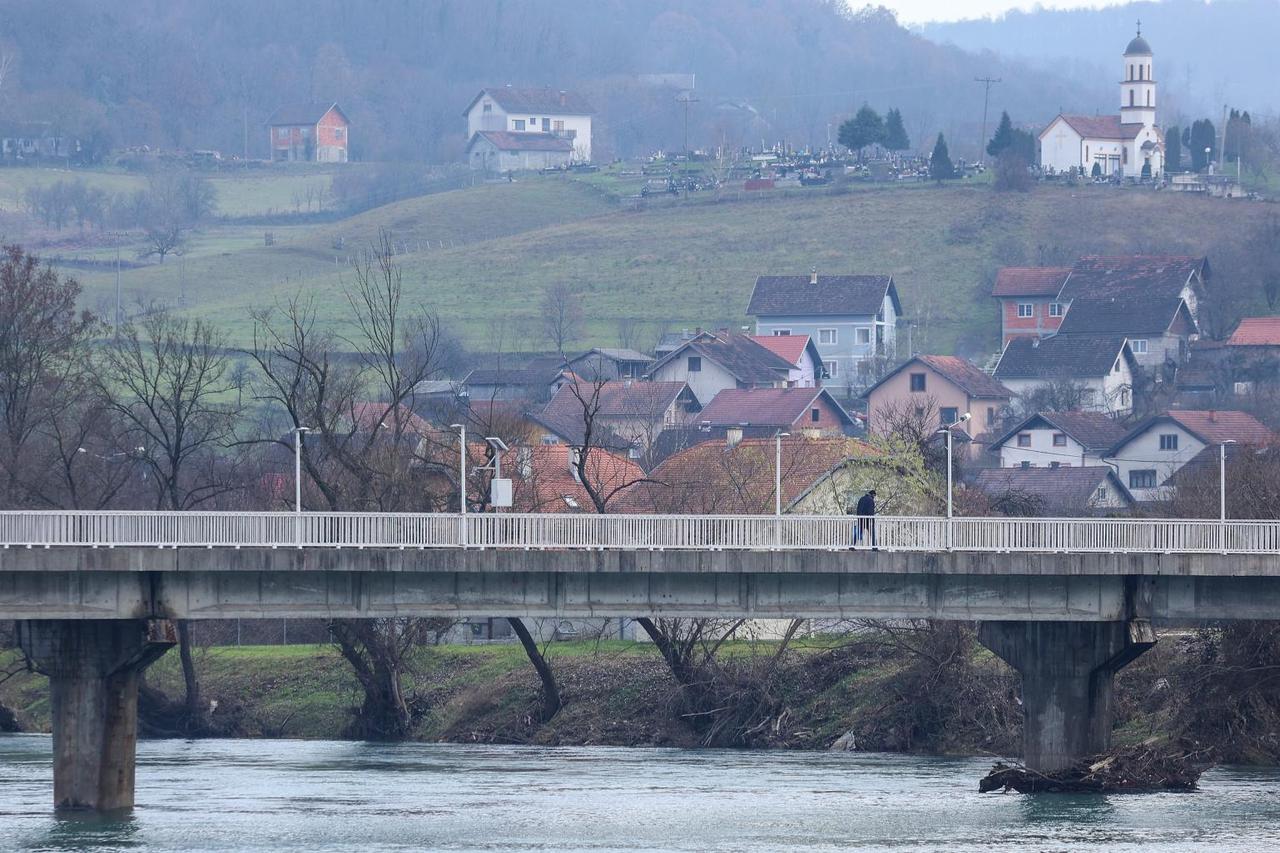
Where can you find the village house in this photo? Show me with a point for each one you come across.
(604, 363)
(1159, 446)
(1096, 370)
(851, 318)
(801, 353)
(811, 410)
(1151, 299)
(1129, 144)
(1246, 366)
(631, 412)
(941, 387)
(1058, 440)
(546, 478)
(312, 133)
(711, 363)
(34, 140)
(495, 151)
(1050, 493)
(527, 112)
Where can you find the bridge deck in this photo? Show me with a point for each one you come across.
(632, 532)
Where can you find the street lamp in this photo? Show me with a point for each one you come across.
(462, 479)
(946, 430)
(1222, 480)
(777, 471)
(297, 466)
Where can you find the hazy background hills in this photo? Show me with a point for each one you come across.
(1206, 54)
(208, 73)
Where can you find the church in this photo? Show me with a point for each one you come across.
(1129, 144)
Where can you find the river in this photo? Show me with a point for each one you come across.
(282, 795)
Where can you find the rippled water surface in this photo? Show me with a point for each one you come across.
(322, 796)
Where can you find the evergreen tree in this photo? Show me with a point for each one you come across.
(1239, 126)
(1197, 138)
(895, 134)
(865, 128)
(1173, 150)
(1004, 138)
(940, 168)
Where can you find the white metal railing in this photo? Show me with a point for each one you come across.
(629, 532)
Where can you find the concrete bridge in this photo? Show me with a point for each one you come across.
(1066, 602)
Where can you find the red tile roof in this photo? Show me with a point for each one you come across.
(774, 407)
(368, 416)
(714, 477)
(1102, 127)
(505, 140)
(1030, 281)
(965, 376)
(542, 480)
(1216, 426)
(1256, 331)
(789, 347)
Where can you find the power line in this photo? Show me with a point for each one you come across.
(987, 83)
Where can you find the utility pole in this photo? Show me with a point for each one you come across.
(687, 98)
(987, 83)
(117, 323)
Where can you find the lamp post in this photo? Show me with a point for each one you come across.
(297, 466)
(777, 471)
(1222, 480)
(947, 430)
(462, 480)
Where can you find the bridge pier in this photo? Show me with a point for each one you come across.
(94, 667)
(1067, 670)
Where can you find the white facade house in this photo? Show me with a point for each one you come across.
(852, 319)
(1058, 440)
(711, 363)
(1129, 144)
(1100, 367)
(555, 112)
(1153, 451)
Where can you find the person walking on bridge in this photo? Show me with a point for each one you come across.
(866, 513)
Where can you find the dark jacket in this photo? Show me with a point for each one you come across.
(866, 505)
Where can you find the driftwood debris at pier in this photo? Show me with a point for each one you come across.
(1144, 767)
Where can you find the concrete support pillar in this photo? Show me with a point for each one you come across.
(1067, 670)
(94, 667)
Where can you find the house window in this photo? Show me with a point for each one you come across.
(826, 336)
(1059, 439)
(570, 501)
(1130, 97)
(1139, 347)
(1026, 309)
(864, 336)
(1242, 388)
(1055, 309)
(1169, 441)
(781, 333)
(1102, 493)
(546, 125)
(1024, 464)
(1143, 478)
(282, 132)
(695, 364)
(1055, 464)
(1024, 439)
(487, 108)
(517, 124)
(815, 415)
(917, 382)
(339, 132)
(991, 415)
(830, 368)
(558, 126)
(550, 440)
(949, 415)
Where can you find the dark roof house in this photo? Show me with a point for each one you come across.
(1062, 357)
(1093, 431)
(536, 100)
(1056, 492)
(821, 295)
(780, 408)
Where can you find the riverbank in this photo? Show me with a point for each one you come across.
(934, 693)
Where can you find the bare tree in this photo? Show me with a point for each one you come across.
(367, 449)
(561, 315)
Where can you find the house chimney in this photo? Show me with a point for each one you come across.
(813, 275)
(564, 98)
(1035, 343)
(733, 436)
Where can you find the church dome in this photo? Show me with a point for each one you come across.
(1138, 47)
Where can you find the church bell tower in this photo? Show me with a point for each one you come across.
(1138, 90)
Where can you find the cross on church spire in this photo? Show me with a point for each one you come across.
(1139, 26)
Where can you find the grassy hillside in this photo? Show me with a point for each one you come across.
(486, 253)
(256, 192)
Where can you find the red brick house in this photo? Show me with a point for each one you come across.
(1028, 299)
(312, 133)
